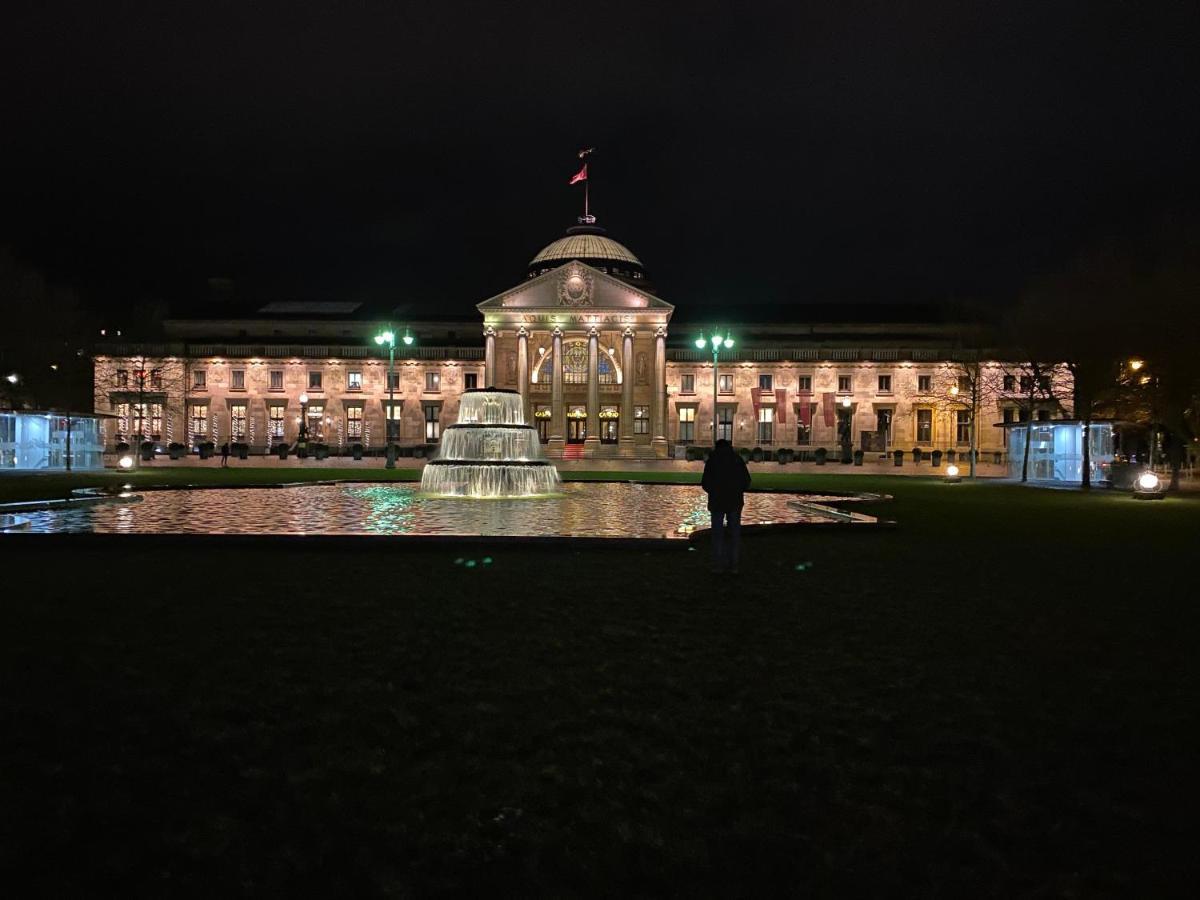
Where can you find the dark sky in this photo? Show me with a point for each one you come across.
(748, 152)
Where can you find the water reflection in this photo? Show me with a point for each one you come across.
(582, 510)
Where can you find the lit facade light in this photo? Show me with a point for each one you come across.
(126, 462)
(12, 378)
(303, 399)
(701, 343)
(1148, 481)
(1136, 364)
(846, 402)
(952, 474)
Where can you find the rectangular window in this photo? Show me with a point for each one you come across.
(1044, 384)
(641, 420)
(764, 382)
(687, 384)
(199, 380)
(843, 384)
(314, 381)
(121, 378)
(725, 384)
(237, 421)
(924, 426)
(354, 421)
(433, 382)
(962, 426)
(1026, 384)
(277, 379)
(1043, 415)
(964, 384)
(237, 379)
(803, 434)
(885, 384)
(925, 384)
(314, 422)
(1008, 414)
(122, 419)
(354, 381)
(766, 425)
(471, 381)
(198, 416)
(156, 380)
(687, 424)
(1010, 384)
(1023, 416)
(804, 384)
(275, 414)
(725, 423)
(147, 419)
(433, 424)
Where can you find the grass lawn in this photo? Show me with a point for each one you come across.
(995, 699)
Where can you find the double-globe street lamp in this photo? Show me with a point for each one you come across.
(717, 341)
(388, 337)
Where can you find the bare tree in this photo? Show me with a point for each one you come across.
(1040, 385)
(146, 388)
(968, 385)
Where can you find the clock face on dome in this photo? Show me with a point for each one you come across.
(575, 287)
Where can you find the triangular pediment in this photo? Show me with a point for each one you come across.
(574, 286)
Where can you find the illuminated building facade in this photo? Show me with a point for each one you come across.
(603, 368)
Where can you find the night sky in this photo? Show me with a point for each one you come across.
(748, 153)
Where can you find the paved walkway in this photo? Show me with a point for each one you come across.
(869, 467)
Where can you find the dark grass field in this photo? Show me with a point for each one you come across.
(995, 699)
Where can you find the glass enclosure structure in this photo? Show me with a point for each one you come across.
(1056, 451)
(31, 439)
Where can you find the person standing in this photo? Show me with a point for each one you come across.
(225, 454)
(725, 480)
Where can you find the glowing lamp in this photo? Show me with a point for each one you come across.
(846, 402)
(728, 342)
(1136, 364)
(408, 338)
(951, 474)
(701, 343)
(954, 391)
(12, 379)
(304, 399)
(126, 462)
(1148, 481)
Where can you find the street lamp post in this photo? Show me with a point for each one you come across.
(717, 342)
(302, 433)
(388, 336)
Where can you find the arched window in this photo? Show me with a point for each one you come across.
(575, 365)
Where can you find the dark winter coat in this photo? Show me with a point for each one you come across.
(726, 479)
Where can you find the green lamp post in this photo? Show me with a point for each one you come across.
(717, 341)
(388, 337)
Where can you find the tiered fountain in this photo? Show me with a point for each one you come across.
(490, 452)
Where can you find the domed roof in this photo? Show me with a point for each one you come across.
(585, 244)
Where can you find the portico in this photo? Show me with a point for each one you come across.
(587, 351)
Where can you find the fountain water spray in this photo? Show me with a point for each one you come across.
(490, 452)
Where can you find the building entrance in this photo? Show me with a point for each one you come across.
(576, 431)
(608, 431)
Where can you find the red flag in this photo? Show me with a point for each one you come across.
(581, 175)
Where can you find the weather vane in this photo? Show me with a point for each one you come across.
(582, 175)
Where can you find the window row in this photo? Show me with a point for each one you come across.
(316, 380)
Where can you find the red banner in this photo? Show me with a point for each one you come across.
(781, 405)
(827, 408)
(806, 408)
(756, 400)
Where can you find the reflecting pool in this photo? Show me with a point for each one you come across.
(597, 510)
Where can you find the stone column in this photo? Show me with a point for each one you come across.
(659, 411)
(489, 357)
(558, 426)
(592, 442)
(523, 369)
(627, 377)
